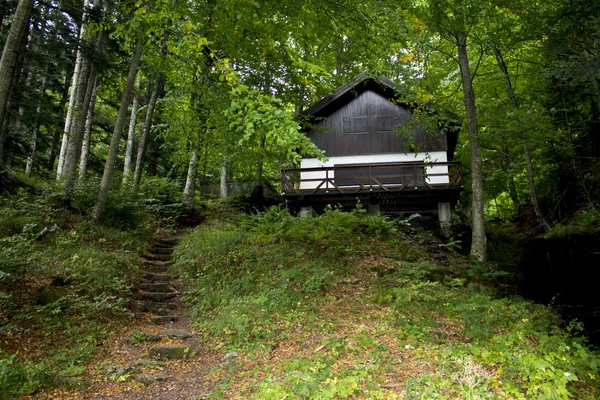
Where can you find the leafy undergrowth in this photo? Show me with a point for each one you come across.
(64, 282)
(584, 222)
(347, 306)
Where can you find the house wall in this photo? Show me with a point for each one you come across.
(366, 125)
(435, 156)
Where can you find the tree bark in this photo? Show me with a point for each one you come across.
(118, 131)
(189, 192)
(512, 187)
(145, 134)
(56, 141)
(10, 56)
(36, 129)
(131, 134)
(515, 104)
(72, 99)
(478, 245)
(87, 135)
(224, 191)
(260, 187)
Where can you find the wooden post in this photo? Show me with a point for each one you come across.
(306, 212)
(374, 210)
(445, 218)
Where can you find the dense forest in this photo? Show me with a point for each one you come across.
(119, 119)
(198, 93)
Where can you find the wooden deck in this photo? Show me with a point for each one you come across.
(395, 186)
(393, 177)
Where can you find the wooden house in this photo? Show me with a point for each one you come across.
(357, 126)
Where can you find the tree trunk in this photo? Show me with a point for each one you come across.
(118, 131)
(145, 134)
(259, 188)
(224, 191)
(10, 56)
(85, 92)
(56, 141)
(131, 134)
(478, 246)
(73, 98)
(512, 187)
(515, 104)
(35, 45)
(84, 95)
(87, 135)
(189, 192)
(36, 129)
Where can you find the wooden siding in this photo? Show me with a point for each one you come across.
(366, 125)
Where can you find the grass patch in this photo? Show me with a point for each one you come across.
(346, 306)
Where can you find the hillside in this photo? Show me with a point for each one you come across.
(339, 306)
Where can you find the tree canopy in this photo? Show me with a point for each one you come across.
(221, 84)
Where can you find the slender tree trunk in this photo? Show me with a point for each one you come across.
(512, 187)
(73, 154)
(86, 88)
(36, 129)
(530, 178)
(2, 9)
(10, 56)
(189, 192)
(56, 141)
(224, 191)
(87, 135)
(118, 131)
(131, 134)
(260, 170)
(35, 45)
(145, 134)
(79, 58)
(478, 246)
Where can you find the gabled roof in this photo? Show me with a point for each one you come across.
(350, 90)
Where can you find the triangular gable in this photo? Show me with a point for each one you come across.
(350, 90)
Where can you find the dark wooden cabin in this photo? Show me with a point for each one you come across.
(368, 161)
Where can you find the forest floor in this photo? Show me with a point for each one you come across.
(341, 306)
(270, 306)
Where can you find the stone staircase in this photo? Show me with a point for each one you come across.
(164, 336)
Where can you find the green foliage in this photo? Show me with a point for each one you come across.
(268, 279)
(260, 268)
(18, 378)
(46, 246)
(584, 222)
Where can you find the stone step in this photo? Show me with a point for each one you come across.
(158, 257)
(168, 241)
(176, 334)
(161, 250)
(137, 337)
(149, 379)
(170, 352)
(158, 296)
(165, 287)
(146, 363)
(158, 263)
(157, 277)
(163, 319)
(157, 308)
(155, 267)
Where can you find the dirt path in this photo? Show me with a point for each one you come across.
(158, 356)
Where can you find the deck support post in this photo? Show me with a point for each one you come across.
(445, 218)
(306, 212)
(374, 210)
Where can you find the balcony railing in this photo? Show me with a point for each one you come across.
(392, 177)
